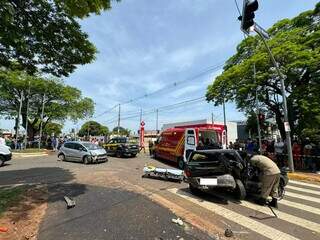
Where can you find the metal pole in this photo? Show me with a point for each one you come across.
(18, 119)
(225, 121)
(140, 116)
(27, 116)
(157, 120)
(257, 109)
(284, 98)
(212, 119)
(119, 119)
(42, 112)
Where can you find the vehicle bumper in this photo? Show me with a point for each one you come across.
(130, 152)
(97, 159)
(223, 181)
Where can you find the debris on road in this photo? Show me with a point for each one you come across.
(228, 232)
(177, 221)
(70, 203)
(163, 173)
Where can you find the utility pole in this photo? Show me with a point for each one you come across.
(212, 122)
(284, 99)
(225, 121)
(140, 116)
(157, 120)
(42, 113)
(27, 115)
(119, 119)
(257, 109)
(18, 119)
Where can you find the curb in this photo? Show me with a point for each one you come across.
(312, 178)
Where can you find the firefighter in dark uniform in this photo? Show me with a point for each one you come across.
(269, 177)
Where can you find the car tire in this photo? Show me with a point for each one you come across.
(240, 190)
(118, 154)
(62, 157)
(133, 155)
(194, 190)
(180, 163)
(1, 161)
(86, 160)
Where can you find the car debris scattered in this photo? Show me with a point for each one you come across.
(177, 221)
(70, 203)
(163, 173)
(228, 232)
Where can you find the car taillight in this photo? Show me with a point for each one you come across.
(187, 172)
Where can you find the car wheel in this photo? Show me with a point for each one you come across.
(194, 190)
(180, 163)
(86, 160)
(133, 155)
(1, 161)
(62, 157)
(118, 154)
(240, 190)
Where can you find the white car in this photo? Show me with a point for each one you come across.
(5, 154)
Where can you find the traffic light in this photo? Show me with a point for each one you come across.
(249, 7)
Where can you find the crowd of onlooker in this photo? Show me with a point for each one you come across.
(306, 154)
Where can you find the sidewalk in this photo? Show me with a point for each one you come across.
(304, 176)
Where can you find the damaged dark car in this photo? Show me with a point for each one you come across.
(216, 169)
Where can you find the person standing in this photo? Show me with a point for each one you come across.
(278, 150)
(296, 151)
(269, 178)
(2, 140)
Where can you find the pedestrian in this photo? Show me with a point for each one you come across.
(269, 178)
(150, 147)
(53, 143)
(250, 147)
(236, 145)
(279, 151)
(296, 152)
(307, 154)
(231, 146)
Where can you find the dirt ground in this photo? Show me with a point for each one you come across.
(22, 219)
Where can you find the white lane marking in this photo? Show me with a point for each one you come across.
(300, 206)
(235, 217)
(305, 190)
(312, 226)
(304, 197)
(304, 184)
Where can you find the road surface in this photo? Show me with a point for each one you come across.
(114, 202)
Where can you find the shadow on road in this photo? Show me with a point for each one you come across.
(35, 176)
(204, 196)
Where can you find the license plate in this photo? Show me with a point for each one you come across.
(208, 181)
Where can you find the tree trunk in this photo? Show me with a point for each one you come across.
(279, 121)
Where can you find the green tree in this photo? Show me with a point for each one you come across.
(45, 36)
(53, 128)
(61, 101)
(295, 44)
(122, 131)
(93, 128)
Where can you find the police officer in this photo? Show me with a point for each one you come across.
(269, 177)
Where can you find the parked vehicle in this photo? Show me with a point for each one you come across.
(84, 152)
(5, 154)
(212, 169)
(176, 144)
(121, 146)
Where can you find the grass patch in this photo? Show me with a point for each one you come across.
(29, 150)
(9, 196)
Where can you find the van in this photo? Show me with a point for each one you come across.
(176, 144)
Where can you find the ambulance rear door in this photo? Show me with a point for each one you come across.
(190, 143)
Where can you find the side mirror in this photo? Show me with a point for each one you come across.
(83, 149)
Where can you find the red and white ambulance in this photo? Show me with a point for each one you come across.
(175, 144)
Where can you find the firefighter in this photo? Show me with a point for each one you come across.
(269, 177)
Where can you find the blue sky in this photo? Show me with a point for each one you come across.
(146, 45)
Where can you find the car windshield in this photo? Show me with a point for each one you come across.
(122, 140)
(91, 146)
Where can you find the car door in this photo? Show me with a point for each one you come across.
(67, 150)
(110, 146)
(78, 152)
(190, 143)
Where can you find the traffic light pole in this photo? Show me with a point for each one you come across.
(285, 109)
(257, 110)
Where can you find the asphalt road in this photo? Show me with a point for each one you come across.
(114, 202)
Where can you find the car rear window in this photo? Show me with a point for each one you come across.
(202, 157)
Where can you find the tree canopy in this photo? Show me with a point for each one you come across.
(122, 131)
(61, 101)
(45, 36)
(295, 44)
(93, 128)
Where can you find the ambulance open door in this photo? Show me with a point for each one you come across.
(190, 143)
